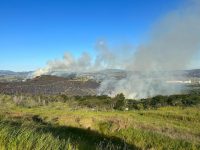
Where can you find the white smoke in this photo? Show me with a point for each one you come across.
(68, 64)
(174, 41)
(105, 58)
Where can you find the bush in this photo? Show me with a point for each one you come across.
(120, 102)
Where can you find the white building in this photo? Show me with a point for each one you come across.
(180, 81)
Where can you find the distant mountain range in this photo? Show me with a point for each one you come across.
(7, 75)
(8, 72)
(193, 73)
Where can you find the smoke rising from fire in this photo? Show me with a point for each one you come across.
(106, 58)
(173, 42)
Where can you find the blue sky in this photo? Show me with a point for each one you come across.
(35, 31)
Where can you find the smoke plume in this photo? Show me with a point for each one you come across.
(173, 42)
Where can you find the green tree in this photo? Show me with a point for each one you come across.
(120, 101)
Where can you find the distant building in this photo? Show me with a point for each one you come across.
(187, 82)
(179, 81)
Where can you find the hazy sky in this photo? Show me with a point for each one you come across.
(35, 31)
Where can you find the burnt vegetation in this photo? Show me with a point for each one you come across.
(81, 93)
(50, 85)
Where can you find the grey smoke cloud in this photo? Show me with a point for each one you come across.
(173, 42)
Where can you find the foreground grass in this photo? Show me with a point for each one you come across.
(31, 135)
(57, 126)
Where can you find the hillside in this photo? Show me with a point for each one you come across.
(59, 126)
(50, 85)
(71, 83)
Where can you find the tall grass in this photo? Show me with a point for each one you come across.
(58, 126)
(15, 135)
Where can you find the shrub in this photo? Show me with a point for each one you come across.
(120, 101)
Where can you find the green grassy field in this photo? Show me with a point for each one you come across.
(57, 126)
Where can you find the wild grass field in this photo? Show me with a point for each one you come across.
(58, 126)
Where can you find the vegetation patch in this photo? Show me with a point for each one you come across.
(98, 122)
